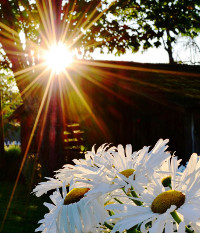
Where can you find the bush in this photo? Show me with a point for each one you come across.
(32, 170)
(13, 150)
(11, 162)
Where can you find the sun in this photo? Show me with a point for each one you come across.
(58, 57)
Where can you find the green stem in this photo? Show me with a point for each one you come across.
(108, 225)
(178, 220)
(133, 193)
(111, 213)
(133, 230)
(116, 199)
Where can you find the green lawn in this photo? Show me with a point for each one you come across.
(25, 211)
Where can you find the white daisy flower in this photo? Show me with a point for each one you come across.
(102, 156)
(123, 168)
(44, 187)
(169, 168)
(161, 208)
(72, 213)
(65, 176)
(100, 169)
(82, 166)
(48, 224)
(69, 172)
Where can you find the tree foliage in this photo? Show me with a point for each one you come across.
(10, 93)
(151, 23)
(86, 25)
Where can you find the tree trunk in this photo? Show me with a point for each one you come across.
(52, 150)
(168, 48)
(33, 96)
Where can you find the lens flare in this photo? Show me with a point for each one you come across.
(58, 57)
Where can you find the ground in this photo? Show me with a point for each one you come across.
(25, 211)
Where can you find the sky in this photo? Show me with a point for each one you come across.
(152, 55)
(157, 55)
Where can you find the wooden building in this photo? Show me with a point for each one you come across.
(127, 102)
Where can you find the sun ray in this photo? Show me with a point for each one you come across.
(49, 94)
(8, 29)
(101, 85)
(135, 68)
(26, 151)
(97, 43)
(12, 40)
(28, 69)
(97, 121)
(16, 44)
(91, 24)
(31, 85)
(52, 21)
(45, 23)
(65, 30)
(140, 91)
(46, 12)
(86, 21)
(11, 52)
(43, 122)
(75, 34)
(62, 100)
(111, 77)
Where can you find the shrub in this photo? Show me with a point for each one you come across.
(13, 150)
(11, 161)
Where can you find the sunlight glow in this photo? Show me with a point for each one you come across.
(58, 57)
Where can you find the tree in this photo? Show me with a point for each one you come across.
(189, 46)
(151, 23)
(11, 98)
(28, 28)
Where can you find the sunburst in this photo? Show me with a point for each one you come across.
(58, 57)
(51, 59)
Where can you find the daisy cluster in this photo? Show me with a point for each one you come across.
(114, 189)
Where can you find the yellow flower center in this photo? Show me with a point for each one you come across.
(164, 200)
(75, 195)
(127, 172)
(166, 181)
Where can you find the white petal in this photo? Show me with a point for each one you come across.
(181, 227)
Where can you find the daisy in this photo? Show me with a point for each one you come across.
(82, 166)
(44, 187)
(161, 209)
(123, 168)
(72, 213)
(65, 176)
(170, 167)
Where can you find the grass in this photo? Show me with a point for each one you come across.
(25, 211)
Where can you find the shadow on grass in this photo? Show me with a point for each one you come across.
(25, 211)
